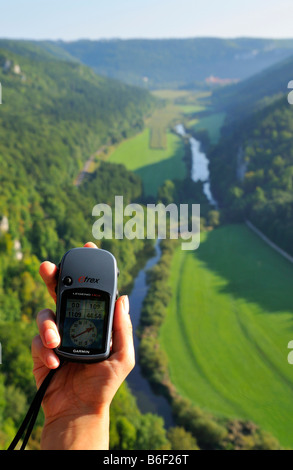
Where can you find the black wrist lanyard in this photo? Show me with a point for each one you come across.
(32, 413)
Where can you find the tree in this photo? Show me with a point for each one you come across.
(151, 434)
(181, 439)
(167, 192)
(126, 432)
(213, 218)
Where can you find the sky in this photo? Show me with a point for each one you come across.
(104, 19)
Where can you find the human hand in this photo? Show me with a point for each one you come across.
(76, 404)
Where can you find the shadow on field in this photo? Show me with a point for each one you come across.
(253, 271)
(155, 174)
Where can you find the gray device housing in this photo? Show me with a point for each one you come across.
(85, 269)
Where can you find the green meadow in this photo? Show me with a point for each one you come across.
(153, 165)
(228, 326)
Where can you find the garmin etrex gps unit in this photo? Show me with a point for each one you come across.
(86, 294)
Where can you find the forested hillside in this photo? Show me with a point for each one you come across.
(54, 115)
(254, 93)
(252, 171)
(173, 63)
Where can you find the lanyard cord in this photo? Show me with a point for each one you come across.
(33, 412)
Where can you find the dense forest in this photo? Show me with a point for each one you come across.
(54, 115)
(252, 170)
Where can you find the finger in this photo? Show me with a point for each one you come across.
(122, 347)
(41, 354)
(48, 272)
(90, 245)
(48, 329)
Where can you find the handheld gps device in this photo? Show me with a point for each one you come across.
(86, 294)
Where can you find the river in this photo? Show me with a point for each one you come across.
(147, 399)
(200, 164)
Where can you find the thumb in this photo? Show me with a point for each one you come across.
(122, 346)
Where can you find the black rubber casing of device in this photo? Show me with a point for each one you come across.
(93, 271)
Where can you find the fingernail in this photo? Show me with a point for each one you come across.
(125, 304)
(52, 362)
(49, 264)
(51, 336)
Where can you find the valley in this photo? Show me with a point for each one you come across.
(212, 324)
(228, 321)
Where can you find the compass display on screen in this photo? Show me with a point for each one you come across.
(83, 332)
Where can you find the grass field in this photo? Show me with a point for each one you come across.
(228, 326)
(154, 166)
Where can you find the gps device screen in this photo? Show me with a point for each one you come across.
(85, 321)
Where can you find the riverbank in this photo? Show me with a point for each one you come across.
(147, 399)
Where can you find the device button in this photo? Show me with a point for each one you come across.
(67, 281)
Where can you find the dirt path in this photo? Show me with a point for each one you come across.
(80, 177)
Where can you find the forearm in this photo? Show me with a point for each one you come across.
(86, 432)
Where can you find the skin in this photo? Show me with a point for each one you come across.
(77, 402)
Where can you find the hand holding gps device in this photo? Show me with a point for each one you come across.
(86, 294)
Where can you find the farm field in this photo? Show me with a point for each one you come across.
(159, 124)
(154, 166)
(228, 326)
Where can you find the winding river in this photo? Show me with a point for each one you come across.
(147, 399)
(200, 164)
